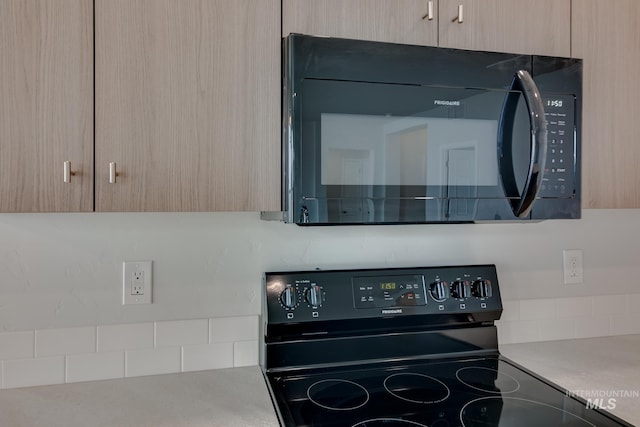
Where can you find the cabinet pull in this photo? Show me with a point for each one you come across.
(429, 15)
(112, 173)
(460, 18)
(67, 172)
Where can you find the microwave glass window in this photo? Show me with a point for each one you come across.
(418, 151)
(370, 139)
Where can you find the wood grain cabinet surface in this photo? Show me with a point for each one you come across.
(46, 105)
(540, 27)
(396, 21)
(607, 36)
(518, 26)
(188, 105)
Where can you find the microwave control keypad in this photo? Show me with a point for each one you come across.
(558, 178)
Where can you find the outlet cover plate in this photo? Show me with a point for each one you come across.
(136, 282)
(572, 260)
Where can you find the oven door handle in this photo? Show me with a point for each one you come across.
(522, 203)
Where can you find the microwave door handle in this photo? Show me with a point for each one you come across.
(505, 149)
(538, 141)
(521, 204)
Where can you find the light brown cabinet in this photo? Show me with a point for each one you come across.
(188, 105)
(606, 36)
(519, 26)
(397, 21)
(46, 105)
(540, 27)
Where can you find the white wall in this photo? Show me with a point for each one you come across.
(61, 319)
(64, 270)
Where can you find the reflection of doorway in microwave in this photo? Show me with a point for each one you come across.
(405, 169)
(406, 156)
(460, 177)
(350, 172)
(348, 167)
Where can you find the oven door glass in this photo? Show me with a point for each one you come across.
(394, 153)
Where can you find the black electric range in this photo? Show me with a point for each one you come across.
(402, 347)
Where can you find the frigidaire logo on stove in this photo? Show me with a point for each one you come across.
(392, 311)
(447, 103)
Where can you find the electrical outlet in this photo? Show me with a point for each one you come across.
(572, 259)
(136, 282)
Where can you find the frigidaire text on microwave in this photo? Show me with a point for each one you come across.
(381, 133)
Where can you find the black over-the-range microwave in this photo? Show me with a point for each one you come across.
(383, 133)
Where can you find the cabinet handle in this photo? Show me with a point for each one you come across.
(112, 173)
(67, 172)
(429, 15)
(460, 18)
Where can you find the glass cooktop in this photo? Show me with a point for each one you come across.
(462, 392)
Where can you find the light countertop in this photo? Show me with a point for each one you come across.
(607, 367)
(238, 397)
(235, 397)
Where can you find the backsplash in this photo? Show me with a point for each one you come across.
(88, 353)
(62, 320)
(551, 319)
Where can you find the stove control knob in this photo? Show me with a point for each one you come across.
(481, 288)
(439, 290)
(459, 289)
(289, 297)
(313, 295)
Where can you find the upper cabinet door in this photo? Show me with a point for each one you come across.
(606, 36)
(397, 21)
(46, 105)
(520, 26)
(187, 105)
(541, 27)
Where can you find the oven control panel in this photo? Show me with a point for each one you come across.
(388, 291)
(314, 296)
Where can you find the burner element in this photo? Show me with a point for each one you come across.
(387, 422)
(337, 394)
(416, 388)
(495, 411)
(487, 379)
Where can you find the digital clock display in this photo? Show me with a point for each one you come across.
(554, 103)
(402, 290)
